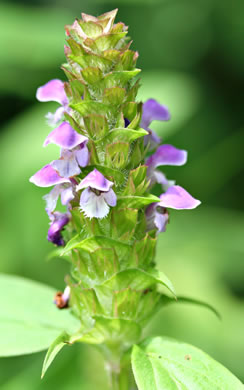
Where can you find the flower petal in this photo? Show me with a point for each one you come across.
(66, 294)
(157, 217)
(161, 219)
(110, 197)
(54, 118)
(52, 91)
(178, 198)
(95, 180)
(57, 225)
(82, 154)
(151, 138)
(67, 165)
(93, 206)
(152, 110)
(67, 195)
(65, 137)
(52, 198)
(167, 155)
(160, 178)
(47, 176)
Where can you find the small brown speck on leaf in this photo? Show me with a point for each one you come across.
(188, 357)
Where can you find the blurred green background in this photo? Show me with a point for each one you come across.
(192, 56)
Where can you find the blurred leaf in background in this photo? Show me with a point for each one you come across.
(192, 56)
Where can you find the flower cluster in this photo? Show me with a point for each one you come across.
(62, 173)
(97, 194)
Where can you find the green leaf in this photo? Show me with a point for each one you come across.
(112, 54)
(143, 252)
(96, 125)
(130, 110)
(124, 134)
(119, 78)
(137, 181)
(135, 305)
(123, 223)
(127, 60)
(97, 267)
(92, 75)
(91, 244)
(117, 154)
(165, 364)
(105, 42)
(91, 107)
(132, 93)
(135, 122)
(93, 60)
(114, 95)
(53, 350)
(198, 303)
(137, 201)
(138, 279)
(29, 320)
(91, 29)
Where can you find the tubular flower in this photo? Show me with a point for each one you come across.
(74, 152)
(97, 196)
(164, 155)
(176, 198)
(66, 193)
(151, 111)
(54, 91)
(58, 221)
(47, 177)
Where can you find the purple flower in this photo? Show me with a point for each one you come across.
(97, 195)
(66, 193)
(74, 152)
(54, 91)
(167, 155)
(164, 155)
(58, 221)
(178, 198)
(151, 111)
(47, 177)
(157, 217)
(175, 198)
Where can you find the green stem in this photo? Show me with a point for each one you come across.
(119, 379)
(118, 376)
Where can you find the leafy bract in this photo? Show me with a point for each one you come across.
(163, 364)
(53, 350)
(137, 201)
(29, 320)
(138, 280)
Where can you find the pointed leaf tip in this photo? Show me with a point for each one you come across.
(53, 350)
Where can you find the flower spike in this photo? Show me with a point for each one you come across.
(100, 205)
